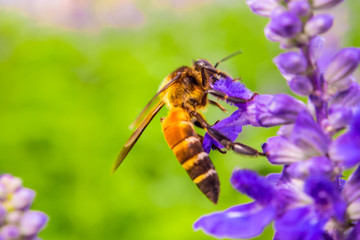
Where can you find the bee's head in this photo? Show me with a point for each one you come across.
(201, 63)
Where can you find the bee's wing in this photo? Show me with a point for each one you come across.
(135, 136)
(142, 121)
(141, 116)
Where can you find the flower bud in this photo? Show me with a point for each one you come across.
(291, 62)
(32, 222)
(323, 4)
(22, 198)
(10, 232)
(11, 183)
(301, 85)
(339, 117)
(318, 24)
(262, 7)
(316, 47)
(14, 217)
(300, 7)
(342, 65)
(271, 35)
(286, 24)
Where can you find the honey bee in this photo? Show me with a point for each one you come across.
(185, 92)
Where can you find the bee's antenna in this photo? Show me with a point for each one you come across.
(226, 58)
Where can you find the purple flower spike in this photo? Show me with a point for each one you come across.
(318, 24)
(291, 62)
(286, 24)
(323, 4)
(317, 141)
(263, 7)
(342, 65)
(32, 222)
(253, 185)
(300, 7)
(16, 220)
(242, 221)
(301, 85)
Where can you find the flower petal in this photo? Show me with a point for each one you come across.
(242, 221)
(351, 193)
(231, 127)
(272, 110)
(313, 166)
(253, 185)
(342, 65)
(300, 224)
(318, 24)
(346, 148)
(232, 88)
(291, 62)
(262, 7)
(305, 141)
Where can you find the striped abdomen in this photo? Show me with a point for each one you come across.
(184, 142)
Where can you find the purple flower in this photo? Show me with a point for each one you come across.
(316, 142)
(16, 220)
(297, 214)
(242, 221)
(342, 65)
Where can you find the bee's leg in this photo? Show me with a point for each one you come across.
(197, 124)
(225, 141)
(201, 138)
(226, 97)
(218, 105)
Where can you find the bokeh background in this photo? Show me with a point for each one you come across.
(75, 74)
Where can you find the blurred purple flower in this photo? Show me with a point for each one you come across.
(80, 14)
(17, 221)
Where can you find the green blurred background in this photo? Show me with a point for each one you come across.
(68, 96)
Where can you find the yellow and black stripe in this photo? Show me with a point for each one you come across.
(184, 142)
